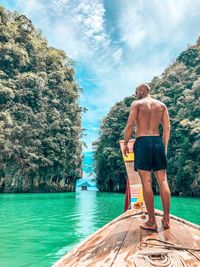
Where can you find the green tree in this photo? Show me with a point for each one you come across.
(40, 115)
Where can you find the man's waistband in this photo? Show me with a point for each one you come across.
(148, 136)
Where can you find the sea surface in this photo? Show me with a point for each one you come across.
(37, 229)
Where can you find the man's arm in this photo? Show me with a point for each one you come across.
(130, 123)
(166, 128)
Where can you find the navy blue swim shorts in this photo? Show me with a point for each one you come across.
(149, 152)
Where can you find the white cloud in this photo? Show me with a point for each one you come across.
(132, 28)
(66, 37)
(90, 15)
(31, 5)
(35, 10)
(144, 22)
(58, 5)
(117, 55)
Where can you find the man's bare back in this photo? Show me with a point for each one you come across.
(149, 116)
(147, 113)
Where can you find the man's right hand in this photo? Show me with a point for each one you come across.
(125, 150)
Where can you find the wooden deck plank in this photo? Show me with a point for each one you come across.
(190, 235)
(104, 254)
(87, 245)
(87, 250)
(127, 248)
(134, 236)
(166, 235)
(185, 237)
(175, 236)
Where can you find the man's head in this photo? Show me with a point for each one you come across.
(142, 91)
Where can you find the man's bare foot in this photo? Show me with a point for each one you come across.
(149, 226)
(165, 223)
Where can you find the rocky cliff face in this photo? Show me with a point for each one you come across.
(40, 117)
(22, 184)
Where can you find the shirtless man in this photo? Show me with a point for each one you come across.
(150, 149)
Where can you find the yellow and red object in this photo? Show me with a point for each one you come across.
(134, 195)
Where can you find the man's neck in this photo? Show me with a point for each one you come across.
(146, 96)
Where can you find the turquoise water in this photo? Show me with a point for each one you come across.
(37, 229)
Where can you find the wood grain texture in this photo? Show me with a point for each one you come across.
(115, 243)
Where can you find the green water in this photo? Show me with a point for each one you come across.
(37, 229)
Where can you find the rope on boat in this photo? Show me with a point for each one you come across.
(149, 255)
(161, 258)
(164, 244)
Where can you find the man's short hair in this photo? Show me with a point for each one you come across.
(144, 85)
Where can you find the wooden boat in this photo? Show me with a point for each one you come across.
(122, 243)
(83, 187)
(116, 243)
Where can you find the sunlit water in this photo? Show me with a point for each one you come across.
(37, 229)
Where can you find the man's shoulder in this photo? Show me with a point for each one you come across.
(160, 103)
(136, 102)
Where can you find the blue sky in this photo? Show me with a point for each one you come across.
(116, 44)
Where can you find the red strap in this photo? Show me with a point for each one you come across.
(128, 196)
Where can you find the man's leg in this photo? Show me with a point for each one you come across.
(165, 195)
(149, 199)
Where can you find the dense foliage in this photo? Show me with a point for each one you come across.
(109, 167)
(179, 88)
(40, 117)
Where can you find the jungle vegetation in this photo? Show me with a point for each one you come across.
(40, 115)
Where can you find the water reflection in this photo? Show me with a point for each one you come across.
(87, 209)
(81, 222)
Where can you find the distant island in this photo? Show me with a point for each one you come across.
(40, 116)
(179, 88)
